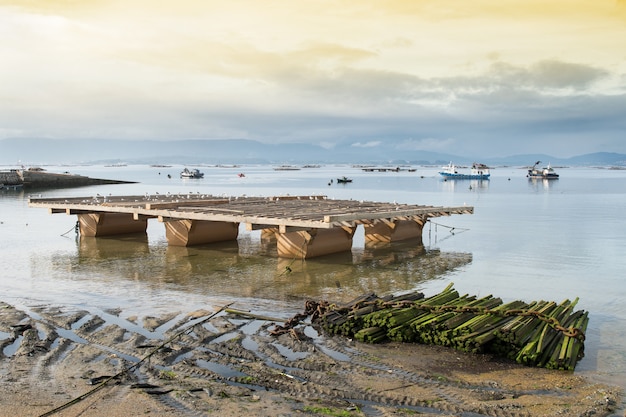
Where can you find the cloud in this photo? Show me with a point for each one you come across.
(431, 144)
(419, 74)
(552, 74)
(371, 144)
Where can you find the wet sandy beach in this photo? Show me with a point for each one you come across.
(227, 364)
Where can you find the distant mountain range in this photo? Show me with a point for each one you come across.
(31, 152)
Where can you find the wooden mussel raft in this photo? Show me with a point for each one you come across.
(541, 333)
(302, 227)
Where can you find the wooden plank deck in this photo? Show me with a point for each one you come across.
(283, 212)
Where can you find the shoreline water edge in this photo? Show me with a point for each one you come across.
(96, 307)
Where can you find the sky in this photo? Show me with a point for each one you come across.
(493, 77)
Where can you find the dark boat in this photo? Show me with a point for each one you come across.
(547, 172)
(343, 180)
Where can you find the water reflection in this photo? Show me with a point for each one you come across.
(457, 185)
(249, 268)
(538, 184)
(94, 248)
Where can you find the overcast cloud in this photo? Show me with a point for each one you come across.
(499, 77)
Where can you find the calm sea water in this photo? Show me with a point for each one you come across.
(528, 240)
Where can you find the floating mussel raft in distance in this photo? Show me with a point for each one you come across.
(540, 333)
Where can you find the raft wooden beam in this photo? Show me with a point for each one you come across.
(201, 218)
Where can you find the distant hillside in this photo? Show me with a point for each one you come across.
(590, 159)
(599, 158)
(241, 151)
(41, 151)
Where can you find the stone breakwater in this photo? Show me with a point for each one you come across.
(44, 179)
(10, 177)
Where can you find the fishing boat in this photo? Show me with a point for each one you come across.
(477, 172)
(343, 180)
(191, 173)
(547, 172)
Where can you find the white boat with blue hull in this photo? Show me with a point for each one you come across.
(477, 172)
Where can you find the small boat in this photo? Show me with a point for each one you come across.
(547, 172)
(191, 173)
(477, 172)
(343, 180)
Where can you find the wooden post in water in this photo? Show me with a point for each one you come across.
(305, 244)
(187, 232)
(109, 224)
(392, 231)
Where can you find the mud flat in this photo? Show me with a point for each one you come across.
(98, 363)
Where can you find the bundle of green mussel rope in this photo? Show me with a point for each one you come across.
(540, 333)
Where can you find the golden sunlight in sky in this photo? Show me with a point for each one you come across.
(345, 58)
(443, 34)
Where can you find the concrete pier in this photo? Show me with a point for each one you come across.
(302, 226)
